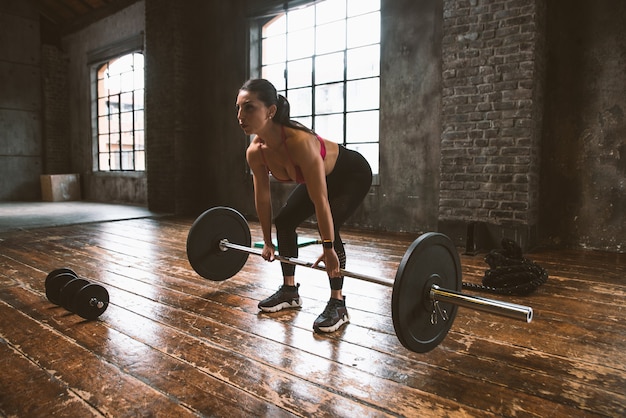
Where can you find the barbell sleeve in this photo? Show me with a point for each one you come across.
(509, 310)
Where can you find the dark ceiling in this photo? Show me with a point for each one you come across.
(71, 15)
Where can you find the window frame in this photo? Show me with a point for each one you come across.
(255, 39)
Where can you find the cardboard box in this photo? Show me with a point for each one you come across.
(60, 187)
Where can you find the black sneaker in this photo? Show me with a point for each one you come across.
(333, 317)
(286, 297)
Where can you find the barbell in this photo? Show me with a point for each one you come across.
(426, 290)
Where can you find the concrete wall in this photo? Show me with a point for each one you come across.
(583, 198)
(20, 102)
(410, 125)
(56, 106)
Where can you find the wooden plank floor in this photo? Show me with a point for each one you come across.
(174, 344)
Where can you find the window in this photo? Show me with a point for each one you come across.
(120, 114)
(325, 58)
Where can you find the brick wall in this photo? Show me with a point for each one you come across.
(56, 127)
(490, 132)
(491, 111)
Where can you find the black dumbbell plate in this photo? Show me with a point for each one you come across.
(55, 280)
(91, 301)
(69, 292)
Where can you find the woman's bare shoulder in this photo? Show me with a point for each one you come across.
(254, 148)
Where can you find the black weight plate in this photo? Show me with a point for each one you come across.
(69, 291)
(91, 301)
(203, 251)
(55, 280)
(431, 259)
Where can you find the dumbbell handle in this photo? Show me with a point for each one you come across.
(97, 303)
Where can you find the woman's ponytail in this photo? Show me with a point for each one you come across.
(282, 110)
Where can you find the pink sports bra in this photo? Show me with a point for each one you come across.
(299, 175)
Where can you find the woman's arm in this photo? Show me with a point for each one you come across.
(262, 195)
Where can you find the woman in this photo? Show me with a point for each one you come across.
(332, 183)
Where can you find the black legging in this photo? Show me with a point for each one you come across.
(347, 186)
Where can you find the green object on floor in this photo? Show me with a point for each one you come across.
(302, 242)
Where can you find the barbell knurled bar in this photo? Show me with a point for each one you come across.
(427, 286)
(225, 245)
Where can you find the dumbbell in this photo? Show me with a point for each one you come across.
(79, 296)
